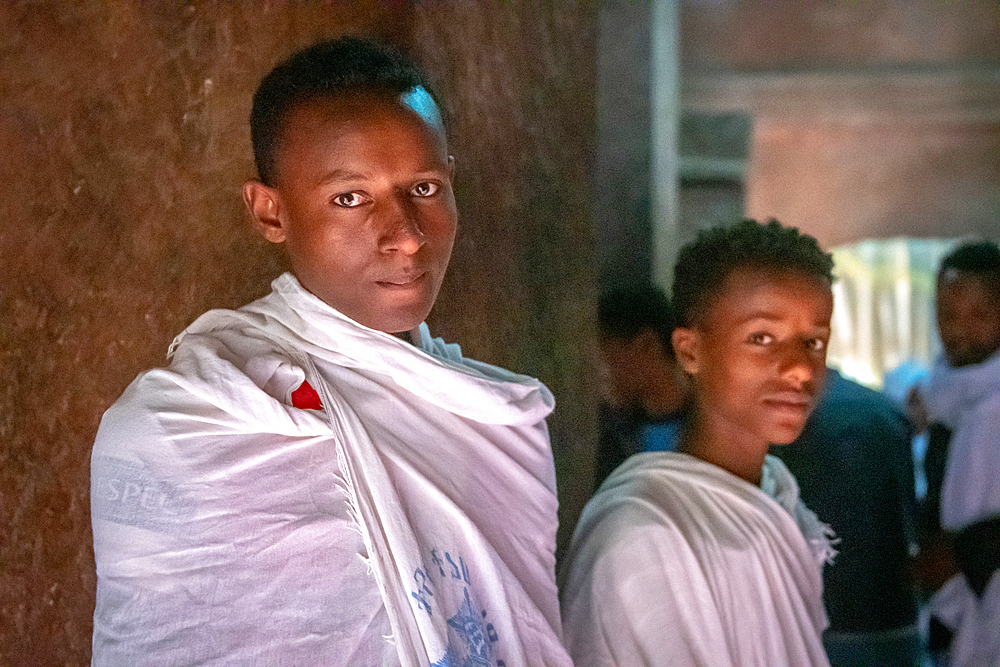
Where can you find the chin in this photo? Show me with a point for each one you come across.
(785, 435)
(397, 326)
(395, 317)
(963, 360)
(403, 322)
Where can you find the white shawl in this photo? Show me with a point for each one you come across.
(677, 562)
(447, 466)
(967, 401)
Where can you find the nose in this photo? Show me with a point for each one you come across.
(801, 366)
(400, 228)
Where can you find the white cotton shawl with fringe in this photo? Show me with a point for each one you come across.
(677, 562)
(448, 473)
(967, 401)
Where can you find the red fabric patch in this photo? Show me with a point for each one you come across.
(306, 398)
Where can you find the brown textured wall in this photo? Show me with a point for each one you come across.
(768, 35)
(124, 142)
(879, 178)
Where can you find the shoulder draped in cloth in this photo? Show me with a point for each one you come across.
(677, 562)
(966, 400)
(235, 546)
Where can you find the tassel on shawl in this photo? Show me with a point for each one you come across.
(820, 536)
(779, 483)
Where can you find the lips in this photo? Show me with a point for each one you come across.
(795, 401)
(402, 281)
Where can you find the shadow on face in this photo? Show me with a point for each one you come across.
(363, 203)
(968, 318)
(757, 356)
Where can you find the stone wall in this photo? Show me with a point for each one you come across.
(124, 141)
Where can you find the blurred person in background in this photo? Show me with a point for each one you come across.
(645, 389)
(963, 403)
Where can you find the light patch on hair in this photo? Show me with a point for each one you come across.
(424, 105)
(949, 274)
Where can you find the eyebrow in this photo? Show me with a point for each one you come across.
(341, 175)
(762, 315)
(347, 176)
(772, 317)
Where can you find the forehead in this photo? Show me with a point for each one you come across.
(954, 284)
(363, 115)
(958, 291)
(763, 293)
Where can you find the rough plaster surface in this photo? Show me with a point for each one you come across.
(870, 120)
(846, 181)
(124, 137)
(791, 35)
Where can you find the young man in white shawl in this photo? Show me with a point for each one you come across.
(963, 397)
(706, 555)
(301, 486)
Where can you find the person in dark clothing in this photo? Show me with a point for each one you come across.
(963, 404)
(645, 389)
(855, 470)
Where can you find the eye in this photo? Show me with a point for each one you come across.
(761, 338)
(816, 344)
(425, 189)
(349, 199)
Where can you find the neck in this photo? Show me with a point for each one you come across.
(736, 453)
(411, 336)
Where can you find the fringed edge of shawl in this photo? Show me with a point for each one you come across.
(820, 536)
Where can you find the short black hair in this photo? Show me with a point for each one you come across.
(980, 259)
(625, 312)
(704, 264)
(326, 69)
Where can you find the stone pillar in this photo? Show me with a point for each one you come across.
(622, 184)
(666, 113)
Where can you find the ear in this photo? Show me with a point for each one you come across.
(687, 349)
(264, 206)
(451, 167)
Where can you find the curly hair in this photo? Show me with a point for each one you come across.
(980, 259)
(326, 69)
(704, 264)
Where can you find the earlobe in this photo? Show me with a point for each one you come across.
(686, 349)
(264, 206)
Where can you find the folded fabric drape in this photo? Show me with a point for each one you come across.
(676, 561)
(444, 463)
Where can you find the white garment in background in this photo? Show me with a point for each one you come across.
(677, 562)
(967, 401)
(233, 529)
